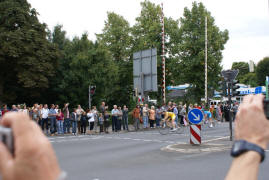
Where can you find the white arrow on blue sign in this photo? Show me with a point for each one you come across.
(195, 116)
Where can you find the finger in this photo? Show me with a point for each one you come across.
(5, 158)
(20, 123)
(258, 101)
(247, 99)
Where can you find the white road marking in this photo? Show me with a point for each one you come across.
(223, 137)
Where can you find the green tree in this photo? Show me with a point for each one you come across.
(192, 51)
(249, 79)
(147, 33)
(117, 40)
(59, 39)
(87, 64)
(27, 58)
(262, 71)
(243, 69)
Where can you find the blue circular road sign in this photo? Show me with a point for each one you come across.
(195, 116)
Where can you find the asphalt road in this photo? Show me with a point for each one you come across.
(142, 155)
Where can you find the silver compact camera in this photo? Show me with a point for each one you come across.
(7, 138)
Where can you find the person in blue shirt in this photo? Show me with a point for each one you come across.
(208, 116)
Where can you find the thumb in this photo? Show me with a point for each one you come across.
(5, 158)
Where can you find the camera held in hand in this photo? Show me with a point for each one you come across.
(7, 138)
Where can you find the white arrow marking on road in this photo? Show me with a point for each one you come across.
(197, 118)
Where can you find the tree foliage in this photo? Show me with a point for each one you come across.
(86, 63)
(117, 40)
(27, 58)
(244, 76)
(243, 69)
(192, 51)
(48, 67)
(262, 71)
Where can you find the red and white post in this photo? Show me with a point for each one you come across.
(195, 131)
(163, 56)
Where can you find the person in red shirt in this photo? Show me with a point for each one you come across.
(5, 110)
(60, 122)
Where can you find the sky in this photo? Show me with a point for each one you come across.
(246, 20)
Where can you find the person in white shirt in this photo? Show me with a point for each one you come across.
(90, 116)
(57, 108)
(115, 113)
(95, 113)
(44, 118)
(25, 110)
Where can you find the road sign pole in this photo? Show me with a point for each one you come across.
(195, 134)
(229, 76)
(195, 117)
(230, 105)
(163, 57)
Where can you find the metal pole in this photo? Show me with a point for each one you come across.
(163, 57)
(230, 119)
(142, 85)
(206, 98)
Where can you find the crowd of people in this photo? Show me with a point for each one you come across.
(64, 120)
(248, 150)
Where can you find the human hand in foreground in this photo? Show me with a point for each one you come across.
(251, 124)
(33, 158)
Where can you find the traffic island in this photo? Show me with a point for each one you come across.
(188, 148)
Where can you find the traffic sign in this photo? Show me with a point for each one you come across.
(195, 116)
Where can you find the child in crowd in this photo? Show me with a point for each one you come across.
(83, 122)
(101, 122)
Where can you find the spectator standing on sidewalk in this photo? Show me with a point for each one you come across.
(158, 116)
(4, 110)
(119, 118)
(60, 123)
(227, 112)
(74, 119)
(52, 117)
(125, 118)
(35, 113)
(14, 108)
(101, 122)
(79, 112)
(106, 120)
(234, 110)
(136, 117)
(25, 110)
(45, 115)
(114, 114)
(83, 121)
(102, 108)
(152, 115)
(66, 118)
(95, 113)
(183, 114)
(40, 107)
(90, 116)
(145, 116)
(218, 113)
